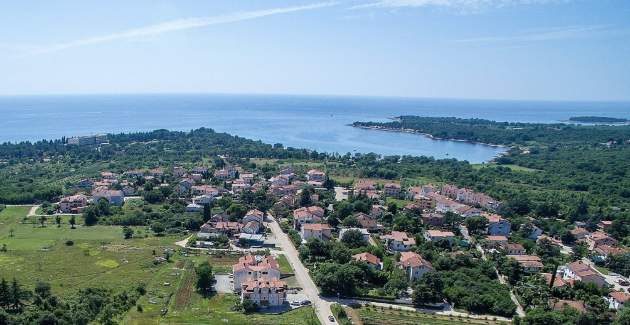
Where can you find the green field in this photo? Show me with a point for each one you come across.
(515, 168)
(384, 316)
(285, 267)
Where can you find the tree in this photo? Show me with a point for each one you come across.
(127, 232)
(207, 213)
(4, 294)
(205, 278)
(353, 238)
(73, 222)
(90, 215)
(158, 228)
(397, 282)
(58, 221)
(338, 279)
(476, 225)
(249, 306)
(428, 289)
(305, 198)
(623, 317)
(42, 220)
(340, 254)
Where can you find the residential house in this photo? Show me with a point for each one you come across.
(497, 225)
(599, 238)
(367, 222)
(617, 299)
(364, 187)
(535, 233)
(194, 207)
(495, 241)
(115, 197)
(319, 231)
(605, 225)
(85, 183)
(437, 235)
(134, 173)
(255, 267)
(217, 228)
(377, 211)
(398, 241)
(203, 199)
(178, 171)
(205, 190)
(371, 260)
(579, 233)
(254, 215)
(601, 252)
(305, 215)
(529, 263)
(580, 271)
(414, 265)
(264, 293)
(315, 175)
(73, 204)
(391, 189)
(558, 282)
(514, 249)
(561, 304)
(467, 211)
(433, 219)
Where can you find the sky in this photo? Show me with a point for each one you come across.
(488, 49)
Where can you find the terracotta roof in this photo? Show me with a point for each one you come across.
(496, 238)
(367, 257)
(411, 259)
(493, 218)
(578, 231)
(264, 283)
(256, 263)
(527, 260)
(316, 226)
(400, 237)
(440, 233)
(557, 282)
(622, 297)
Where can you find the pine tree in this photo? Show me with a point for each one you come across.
(4, 294)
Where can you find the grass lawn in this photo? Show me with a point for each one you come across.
(515, 168)
(399, 203)
(285, 267)
(384, 316)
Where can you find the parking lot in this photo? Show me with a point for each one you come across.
(224, 283)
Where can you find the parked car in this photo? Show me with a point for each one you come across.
(331, 318)
(306, 302)
(623, 282)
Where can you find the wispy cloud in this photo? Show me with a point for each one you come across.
(179, 25)
(542, 35)
(460, 5)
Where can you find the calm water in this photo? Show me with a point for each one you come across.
(318, 123)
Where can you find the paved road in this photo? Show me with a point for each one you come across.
(322, 307)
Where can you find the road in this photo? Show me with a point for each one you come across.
(322, 307)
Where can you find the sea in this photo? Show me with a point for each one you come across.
(314, 122)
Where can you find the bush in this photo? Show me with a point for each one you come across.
(69, 243)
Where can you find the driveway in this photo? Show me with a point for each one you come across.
(322, 307)
(224, 283)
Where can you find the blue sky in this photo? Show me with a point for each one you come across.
(501, 49)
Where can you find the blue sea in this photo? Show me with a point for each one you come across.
(314, 122)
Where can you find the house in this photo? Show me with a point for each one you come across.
(617, 299)
(280, 180)
(251, 227)
(602, 252)
(367, 222)
(514, 249)
(114, 197)
(377, 211)
(200, 170)
(217, 228)
(73, 204)
(561, 304)
(134, 173)
(304, 215)
(364, 187)
(599, 238)
(194, 207)
(185, 185)
(497, 225)
(255, 267)
(391, 189)
(239, 185)
(364, 233)
(414, 265)
(178, 171)
(424, 202)
(264, 293)
(196, 177)
(319, 231)
(254, 215)
(398, 241)
(535, 233)
(85, 183)
(579, 233)
(223, 174)
(371, 260)
(558, 282)
(247, 178)
(204, 190)
(444, 204)
(529, 263)
(251, 239)
(203, 199)
(108, 175)
(129, 190)
(605, 225)
(156, 172)
(437, 235)
(467, 211)
(580, 271)
(315, 175)
(433, 219)
(495, 241)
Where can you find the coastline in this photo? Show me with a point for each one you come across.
(428, 135)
